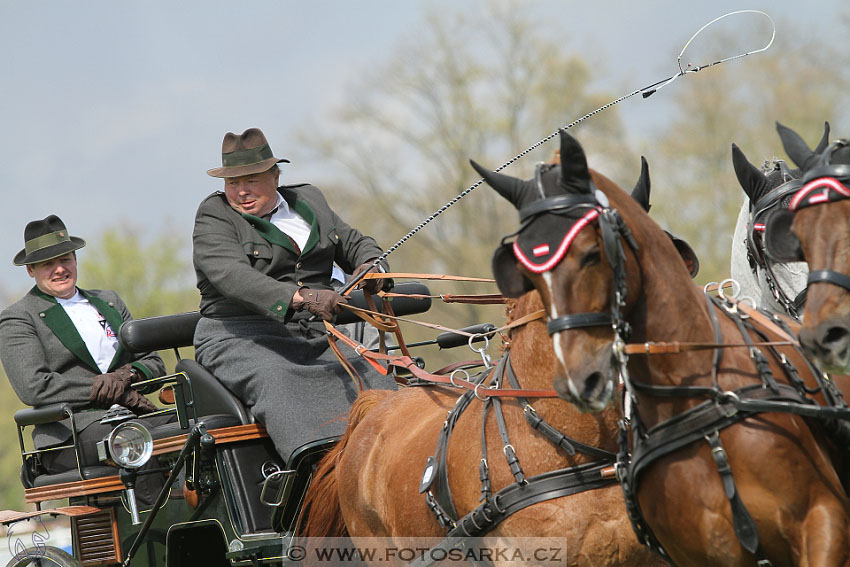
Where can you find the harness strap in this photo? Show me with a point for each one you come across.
(686, 428)
(577, 321)
(829, 276)
(551, 433)
(513, 498)
(507, 448)
(483, 468)
(745, 526)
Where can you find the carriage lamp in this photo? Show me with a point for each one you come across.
(129, 445)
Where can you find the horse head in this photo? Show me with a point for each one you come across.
(573, 247)
(815, 227)
(780, 286)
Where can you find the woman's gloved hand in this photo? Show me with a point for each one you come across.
(107, 388)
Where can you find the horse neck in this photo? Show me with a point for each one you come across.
(667, 305)
(533, 362)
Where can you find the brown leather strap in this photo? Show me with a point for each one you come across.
(674, 347)
(408, 363)
(409, 275)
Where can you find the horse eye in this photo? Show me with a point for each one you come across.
(591, 257)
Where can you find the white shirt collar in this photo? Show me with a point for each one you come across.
(76, 298)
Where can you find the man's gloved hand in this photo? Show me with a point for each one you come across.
(107, 388)
(323, 303)
(137, 403)
(370, 286)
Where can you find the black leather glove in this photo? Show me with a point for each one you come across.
(107, 388)
(323, 303)
(370, 286)
(136, 402)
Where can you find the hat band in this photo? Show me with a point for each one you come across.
(246, 157)
(45, 241)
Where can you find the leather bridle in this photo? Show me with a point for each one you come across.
(823, 184)
(755, 239)
(589, 207)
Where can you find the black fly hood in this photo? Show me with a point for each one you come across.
(554, 208)
(826, 179)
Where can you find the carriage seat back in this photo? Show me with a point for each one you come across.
(208, 395)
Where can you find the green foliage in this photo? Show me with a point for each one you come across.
(11, 490)
(152, 279)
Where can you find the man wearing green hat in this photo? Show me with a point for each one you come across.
(266, 258)
(59, 344)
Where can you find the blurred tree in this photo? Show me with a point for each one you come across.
(408, 129)
(152, 279)
(695, 191)
(11, 490)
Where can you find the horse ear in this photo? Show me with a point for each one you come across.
(824, 141)
(518, 192)
(751, 179)
(641, 191)
(689, 257)
(795, 146)
(575, 177)
(780, 243)
(511, 281)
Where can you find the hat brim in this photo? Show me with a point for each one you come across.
(45, 254)
(249, 169)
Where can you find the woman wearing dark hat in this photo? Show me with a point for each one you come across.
(58, 344)
(265, 261)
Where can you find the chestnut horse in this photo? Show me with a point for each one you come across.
(815, 228)
(369, 484)
(724, 472)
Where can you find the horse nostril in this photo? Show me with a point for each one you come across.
(591, 385)
(836, 336)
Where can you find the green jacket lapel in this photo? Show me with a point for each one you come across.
(274, 235)
(112, 316)
(58, 321)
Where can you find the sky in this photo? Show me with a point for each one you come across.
(112, 112)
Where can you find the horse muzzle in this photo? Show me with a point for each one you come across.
(590, 386)
(828, 344)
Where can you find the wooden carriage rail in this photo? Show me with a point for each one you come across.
(11, 516)
(113, 483)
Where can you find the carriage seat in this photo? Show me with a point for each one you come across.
(207, 395)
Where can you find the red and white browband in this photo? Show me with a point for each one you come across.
(809, 195)
(544, 249)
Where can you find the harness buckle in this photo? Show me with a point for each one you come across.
(730, 401)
